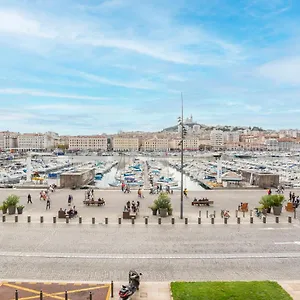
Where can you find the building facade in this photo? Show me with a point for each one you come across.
(124, 143)
(88, 142)
(155, 144)
(217, 138)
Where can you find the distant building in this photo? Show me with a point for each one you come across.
(126, 143)
(34, 141)
(217, 138)
(155, 144)
(88, 142)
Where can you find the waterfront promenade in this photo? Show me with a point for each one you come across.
(116, 200)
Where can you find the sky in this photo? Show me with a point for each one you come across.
(101, 66)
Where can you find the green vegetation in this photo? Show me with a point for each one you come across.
(231, 290)
(12, 200)
(163, 201)
(268, 201)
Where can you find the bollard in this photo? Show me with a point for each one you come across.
(295, 213)
(251, 220)
(199, 220)
(16, 295)
(3, 219)
(214, 213)
(91, 296)
(93, 220)
(54, 220)
(243, 214)
(106, 221)
(289, 219)
(199, 213)
(212, 220)
(41, 219)
(146, 220)
(66, 295)
(186, 221)
(80, 220)
(236, 213)
(132, 220)
(264, 220)
(207, 214)
(112, 289)
(159, 220)
(120, 221)
(251, 213)
(277, 219)
(41, 295)
(173, 221)
(67, 219)
(16, 219)
(225, 220)
(28, 219)
(238, 220)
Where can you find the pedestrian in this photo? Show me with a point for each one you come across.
(70, 199)
(185, 192)
(48, 203)
(290, 196)
(29, 199)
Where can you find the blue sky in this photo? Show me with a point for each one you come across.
(92, 66)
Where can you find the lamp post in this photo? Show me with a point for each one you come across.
(183, 133)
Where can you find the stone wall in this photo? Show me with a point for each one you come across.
(262, 180)
(77, 179)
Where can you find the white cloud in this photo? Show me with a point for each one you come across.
(254, 108)
(143, 85)
(39, 93)
(286, 71)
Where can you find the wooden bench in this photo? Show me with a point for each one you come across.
(62, 214)
(202, 202)
(129, 215)
(289, 207)
(244, 207)
(95, 202)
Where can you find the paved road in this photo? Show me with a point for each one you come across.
(107, 252)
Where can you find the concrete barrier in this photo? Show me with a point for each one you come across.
(173, 221)
(132, 220)
(289, 219)
(41, 219)
(238, 220)
(264, 220)
(119, 221)
(67, 220)
(251, 220)
(295, 213)
(277, 219)
(16, 219)
(106, 221)
(244, 214)
(80, 220)
(225, 220)
(28, 219)
(159, 220)
(54, 220)
(186, 221)
(3, 219)
(207, 214)
(212, 220)
(146, 220)
(199, 220)
(93, 220)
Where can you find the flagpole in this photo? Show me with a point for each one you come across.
(181, 165)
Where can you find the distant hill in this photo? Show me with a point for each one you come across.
(218, 127)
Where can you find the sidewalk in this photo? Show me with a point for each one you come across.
(292, 287)
(148, 290)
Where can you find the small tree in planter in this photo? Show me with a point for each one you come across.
(20, 209)
(11, 202)
(277, 201)
(3, 207)
(163, 204)
(154, 209)
(266, 203)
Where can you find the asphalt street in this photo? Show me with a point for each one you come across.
(162, 253)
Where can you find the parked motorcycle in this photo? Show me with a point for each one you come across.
(134, 283)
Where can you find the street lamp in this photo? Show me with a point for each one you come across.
(183, 134)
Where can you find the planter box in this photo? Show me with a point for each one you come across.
(154, 212)
(20, 210)
(11, 210)
(277, 210)
(163, 212)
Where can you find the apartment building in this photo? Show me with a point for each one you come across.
(88, 142)
(34, 141)
(125, 143)
(155, 144)
(231, 137)
(217, 138)
(8, 140)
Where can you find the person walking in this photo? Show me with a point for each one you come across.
(48, 203)
(29, 199)
(185, 192)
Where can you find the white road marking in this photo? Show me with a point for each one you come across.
(288, 243)
(149, 256)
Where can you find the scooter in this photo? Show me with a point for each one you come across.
(134, 283)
